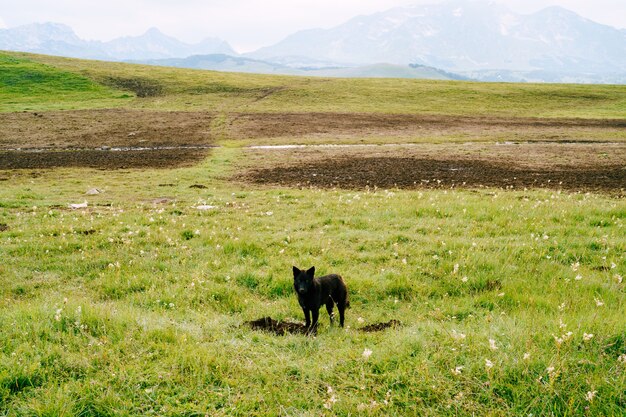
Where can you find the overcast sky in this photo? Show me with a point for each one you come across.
(245, 24)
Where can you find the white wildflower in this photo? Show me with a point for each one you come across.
(464, 279)
(367, 353)
(575, 266)
(492, 344)
(457, 370)
(387, 399)
(578, 277)
(526, 356)
(599, 302)
(587, 336)
(456, 268)
(488, 364)
(590, 395)
(330, 401)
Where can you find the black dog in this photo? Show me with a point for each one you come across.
(315, 292)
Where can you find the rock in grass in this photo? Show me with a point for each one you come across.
(79, 205)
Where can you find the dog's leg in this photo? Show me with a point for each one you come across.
(316, 315)
(329, 308)
(342, 309)
(307, 317)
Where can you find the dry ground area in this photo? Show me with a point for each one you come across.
(157, 158)
(573, 154)
(91, 129)
(354, 126)
(575, 167)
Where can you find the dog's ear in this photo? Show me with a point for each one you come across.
(296, 271)
(311, 272)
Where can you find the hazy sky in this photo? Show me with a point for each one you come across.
(246, 24)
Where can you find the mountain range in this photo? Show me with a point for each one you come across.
(59, 39)
(464, 36)
(476, 39)
(222, 62)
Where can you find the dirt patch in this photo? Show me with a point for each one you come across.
(169, 158)
(377, 327)
(142, 87)
(425, 173)
(282, 328)
(279, 328)
(91, 129)
(4, 227)
(573, 167)
(341, 125)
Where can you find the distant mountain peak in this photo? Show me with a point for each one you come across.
(60, 39)
(459, 35)
(154, 32)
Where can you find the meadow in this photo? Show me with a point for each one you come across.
(511, 301)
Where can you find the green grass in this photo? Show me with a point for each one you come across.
(29, 85)
(135, 308)
(182, 89)
(132, 307)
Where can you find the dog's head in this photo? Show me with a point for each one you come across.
(303, 280)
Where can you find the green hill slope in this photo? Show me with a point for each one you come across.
(26, 84)
(165, 88)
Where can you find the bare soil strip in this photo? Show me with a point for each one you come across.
(103, 160)
(271, 125)
(156, 139)
(90, 129)
(600, 168)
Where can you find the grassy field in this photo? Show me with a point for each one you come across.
(511, 302)
(180, 89)
(29, 85)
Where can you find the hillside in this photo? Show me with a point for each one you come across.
(162, 88)
(29, 85)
